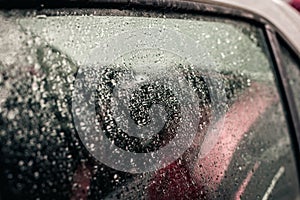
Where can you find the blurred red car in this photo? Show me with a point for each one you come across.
(295, 4)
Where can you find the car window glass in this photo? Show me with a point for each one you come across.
(292, 67)
(137, 105)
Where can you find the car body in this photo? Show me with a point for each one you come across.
(212, 88)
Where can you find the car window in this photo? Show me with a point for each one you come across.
(292, 67)
(139, 105)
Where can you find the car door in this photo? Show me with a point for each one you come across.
(177, 100)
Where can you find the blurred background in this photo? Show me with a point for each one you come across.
(294, 3)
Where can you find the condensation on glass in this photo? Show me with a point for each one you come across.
(292, 68)
(155, 78)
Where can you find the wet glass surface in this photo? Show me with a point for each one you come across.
(148, 107)
(291, 65)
